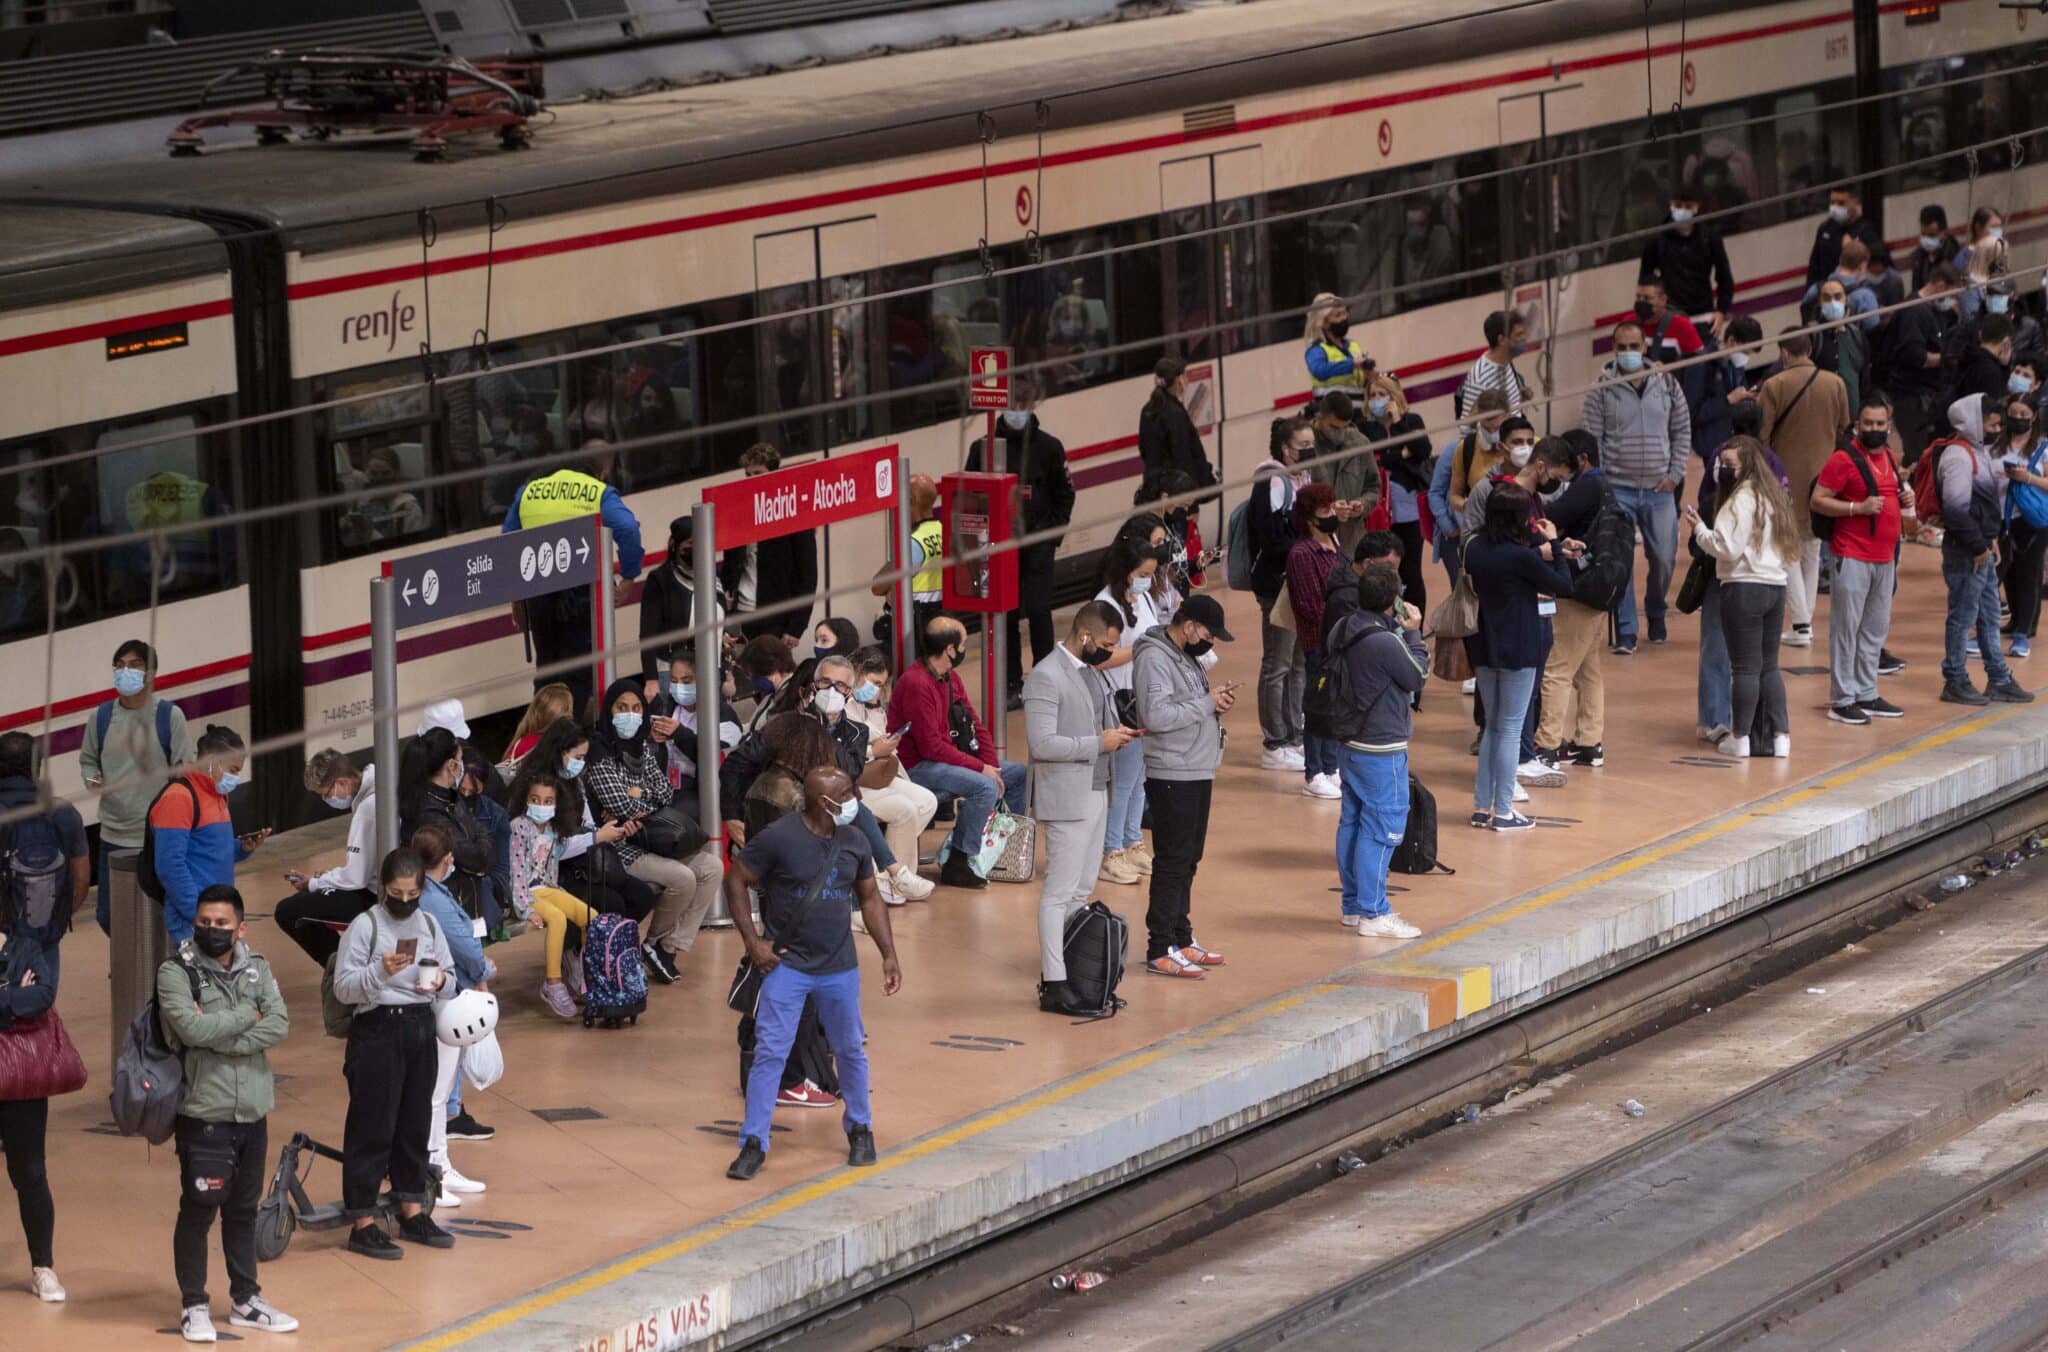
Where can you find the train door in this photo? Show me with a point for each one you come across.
(1534, 196)
(1211, 274)
(806, 356)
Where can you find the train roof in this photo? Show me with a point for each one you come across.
(51, 251)
(801, 121)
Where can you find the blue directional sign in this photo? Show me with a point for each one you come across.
(495, 571)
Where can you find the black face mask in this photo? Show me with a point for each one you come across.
(1198, 649)
(956, 655)
(1876, 441)
(1338, 330)
(1095, 657)
(1327, 524)
(1724, 476)
(1159, 553)
(2016, 429)
(213, 941)
(401, 910)
(1644, 309)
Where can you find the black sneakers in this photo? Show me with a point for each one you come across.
(1880, 708)
(2008, 692)
(957, 872)
(660, 964)
(1657, 634)
(748, 1162)
(1889, 664)
(1962, 692)
(860, 1146)
(1593, 756)
(372, 1242)
(421, 1229)
(1851, 713)
(1624, 646)
(463, 1127)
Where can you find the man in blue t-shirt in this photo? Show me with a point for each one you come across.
(812, 868)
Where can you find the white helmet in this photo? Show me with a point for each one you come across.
(466, 1019)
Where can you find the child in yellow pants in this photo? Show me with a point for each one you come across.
(536, 873)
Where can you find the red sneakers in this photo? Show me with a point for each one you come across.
(806, 1095)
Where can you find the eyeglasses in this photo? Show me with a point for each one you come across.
(841, 686)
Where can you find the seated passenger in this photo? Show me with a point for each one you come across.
(536, 877)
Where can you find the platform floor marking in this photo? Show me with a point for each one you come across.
(748, 1217)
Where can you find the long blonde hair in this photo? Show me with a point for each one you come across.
(1383, 382)
(1319, 316)
(1753, 471)
(550, 702)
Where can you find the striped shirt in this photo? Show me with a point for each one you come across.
(1488, 374)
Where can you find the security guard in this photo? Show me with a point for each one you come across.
(559, 623)
(927, 552)
(1334, 361)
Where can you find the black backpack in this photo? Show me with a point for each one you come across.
(1327, 707)
(37, 878)
(1610, 555)
(1095, 943)
(145, 863)
(1824, 526)
(1417, 851)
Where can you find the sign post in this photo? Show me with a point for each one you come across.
(906, 597)
(710, 682)
(604, 615)
(991, 390)
(440, 584)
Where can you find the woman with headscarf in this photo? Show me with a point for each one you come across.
(625, 781)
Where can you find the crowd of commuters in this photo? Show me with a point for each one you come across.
(1815, 470)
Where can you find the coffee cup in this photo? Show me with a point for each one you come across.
(429, 975)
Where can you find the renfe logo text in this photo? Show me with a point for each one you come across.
(388, 323)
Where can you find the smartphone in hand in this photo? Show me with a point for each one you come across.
(410, 948)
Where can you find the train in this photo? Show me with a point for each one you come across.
(842, 236)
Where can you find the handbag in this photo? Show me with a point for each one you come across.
(1018, 862)
(671, 833)
(38, 1061)
(995, 838)
(1457, 615)
(1281, 616)
(960, 727)
(1692, 593)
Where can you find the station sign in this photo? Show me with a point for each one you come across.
(990, 387)
(803, 497)
(496, 571)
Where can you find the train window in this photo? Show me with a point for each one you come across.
(30, 517)
(1427, 243)
(1064, 311)
(377, 445)
(1719, 162)
(1332, 249)
(850, 356)
(517, 417)
(171, 482)
(1797, 136)
(656, 387)
(927, 334)
(1627, 189)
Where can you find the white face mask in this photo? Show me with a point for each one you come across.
(1488, 439)
(1518, 455)
(1993, 234)
(1016, 419)
(829, 703)
(1681, 215)
(1838, 214)
(1739, 360)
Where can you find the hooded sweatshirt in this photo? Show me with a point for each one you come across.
(1183, 734)
(352, 874)
(1972, 483)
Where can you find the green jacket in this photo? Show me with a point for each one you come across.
(1356, 479)
(239, 1017)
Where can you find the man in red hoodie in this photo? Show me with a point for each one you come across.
(947, 748)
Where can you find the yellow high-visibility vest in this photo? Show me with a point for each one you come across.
(931, 538)
(1356, 379)
(562, 496)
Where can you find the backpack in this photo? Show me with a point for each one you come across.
(1824, 526)
(1610, 555)
(37, 884)
(1237, 558)
(1328, 706)
(335, 1015)
(2028, 501)
(1926, 483)
(1417, 851)
(149, 1077)
(145, 862)
(614, 981)
(1095, 944)
(103, 718)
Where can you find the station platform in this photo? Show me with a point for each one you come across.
(611, 1147)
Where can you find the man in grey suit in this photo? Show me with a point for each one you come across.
(1071, 725)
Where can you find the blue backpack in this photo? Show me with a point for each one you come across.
(103, 718)
(2030, 502)
(614, 981)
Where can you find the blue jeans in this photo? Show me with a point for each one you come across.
(977, 795)
(1126, 797)
(1972, 608)
(1370, 823)
(1717, 694)
(1506, 692)
(1320, 755)
(1656, 516)
(775, 1018)
(885, 858)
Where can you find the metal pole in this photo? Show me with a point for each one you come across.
(997, 648)
(604, 615)
(906, 613)
(384, 701)
(710, 680)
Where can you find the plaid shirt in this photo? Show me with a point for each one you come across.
(609, 783)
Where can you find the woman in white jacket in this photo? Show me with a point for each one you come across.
(1753, 534)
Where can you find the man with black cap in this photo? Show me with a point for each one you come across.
(668, 603)
(1182, 729)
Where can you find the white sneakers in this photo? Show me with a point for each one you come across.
(1323, 786)
(1539, 773)
(1781, 746)
(1738, 747)
(1521, 794)
(1282, 758)
(907, 883)
(1470, 686)
(196, 1324)
(452, 1180)
(44, 1286)
(258, 1313)
(1388, 926)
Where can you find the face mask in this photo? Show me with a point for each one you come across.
(1681, 215)
(1833, 309)
(1141, 582)
(820, 650)
(1160, 553)
(1488, 439)
(1016, 419)
(339, 802)
(686, 694)
(129, 680)
(761, 685)
(868, 693)
(1931, 243)
(1338, 330)
(400, 910)
(1198, 650)
(1094, 657)
(1997, 304)
(213, 941)
(1838, 214)
(1724, 476)
(1945, 305)
(1629, 361)
(829, 703)
(1326, 524)
(844, 814)
(1378, 405)
(229, 782)
(1739, 360)
(1994, 234)
(1518, 456)
(627, 726)
(1873, 441)
(540, 814)
(2019, 384)
(572, 767)
(1644, 309)
(2018, 429)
